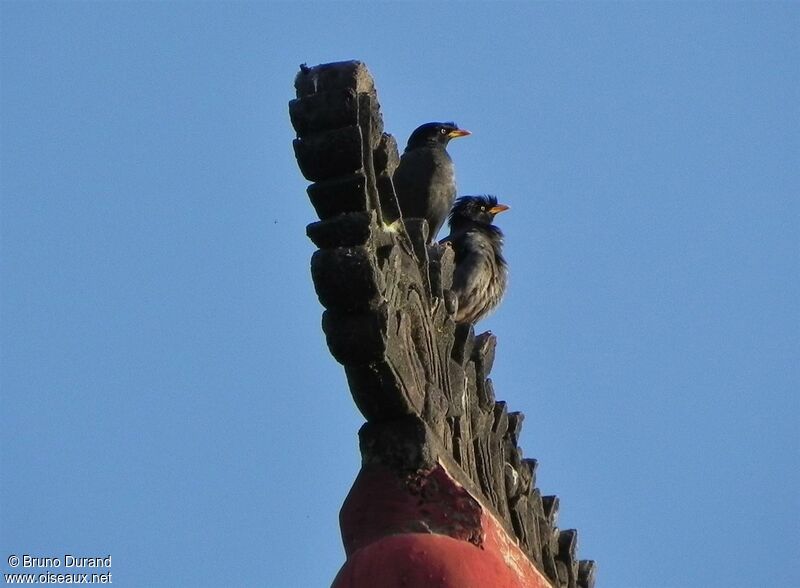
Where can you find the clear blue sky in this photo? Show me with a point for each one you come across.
(167, 396)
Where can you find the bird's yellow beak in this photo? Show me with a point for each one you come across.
(498, 209)
(458, 133)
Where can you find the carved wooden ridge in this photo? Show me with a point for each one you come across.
(420, 380)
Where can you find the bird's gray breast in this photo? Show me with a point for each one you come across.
(425, 184)
(480, 278)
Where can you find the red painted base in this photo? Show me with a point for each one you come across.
(461, 544)
(417, 560)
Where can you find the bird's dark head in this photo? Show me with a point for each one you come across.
(477, 209)
(435, 133)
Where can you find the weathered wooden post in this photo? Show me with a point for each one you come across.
(444, 497)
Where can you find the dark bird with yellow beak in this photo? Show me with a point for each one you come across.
(425, 180)
(481, 272)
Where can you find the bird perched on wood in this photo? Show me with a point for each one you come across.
(425, 178)
(481, 273)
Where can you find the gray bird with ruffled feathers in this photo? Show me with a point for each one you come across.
(481, 272)
(425, 178)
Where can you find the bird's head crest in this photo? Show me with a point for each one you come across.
(435, 133)
(479, 209)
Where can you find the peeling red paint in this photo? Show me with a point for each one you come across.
(426, 530)
(380, 503)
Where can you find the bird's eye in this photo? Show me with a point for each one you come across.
(443, 131)
(483, 209)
